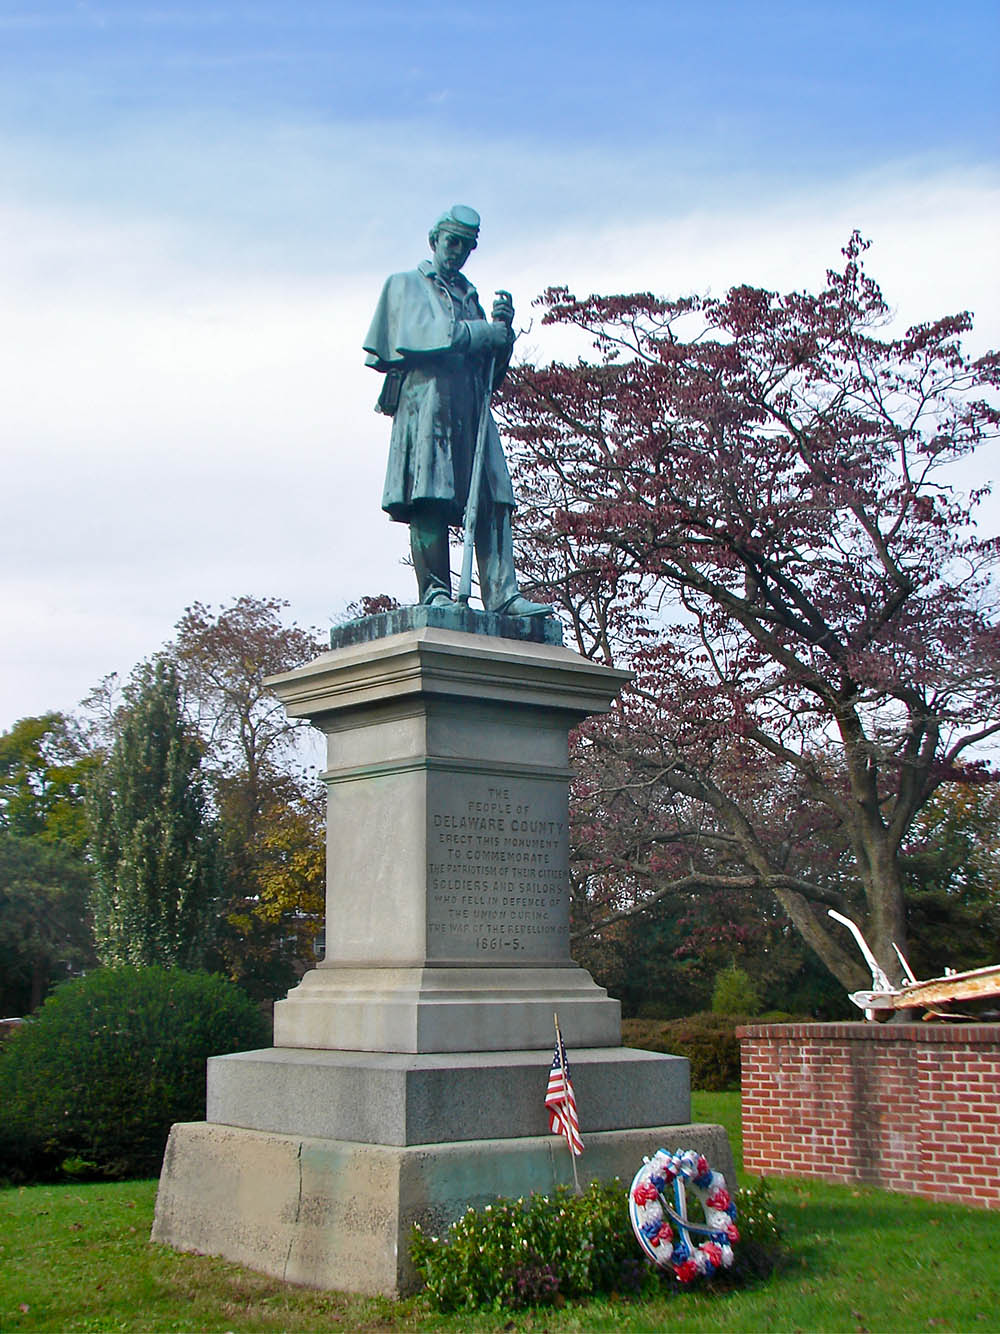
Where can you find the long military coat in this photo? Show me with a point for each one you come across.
(435, 423)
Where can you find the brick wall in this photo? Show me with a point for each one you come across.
(910, 1107)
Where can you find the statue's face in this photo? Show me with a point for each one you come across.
(451, 251)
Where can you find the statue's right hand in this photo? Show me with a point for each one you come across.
(500, 336)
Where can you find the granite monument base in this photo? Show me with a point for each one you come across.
(337, 1214)
(396, 1100)
(409, 1072)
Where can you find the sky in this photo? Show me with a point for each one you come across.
(199, 203)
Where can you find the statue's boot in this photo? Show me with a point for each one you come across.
(438, 597)
(495, 558)
(431, 560)
(522, 606)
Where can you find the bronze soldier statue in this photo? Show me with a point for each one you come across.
(435, 346)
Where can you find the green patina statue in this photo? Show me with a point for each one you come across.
(442, 359)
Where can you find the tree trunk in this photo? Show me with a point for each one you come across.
(846, 965)
(39, 985)
(886, 910)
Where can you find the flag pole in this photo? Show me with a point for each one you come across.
(562, 1071)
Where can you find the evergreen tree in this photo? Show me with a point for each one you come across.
(151, 836)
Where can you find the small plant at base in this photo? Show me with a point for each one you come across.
(760, 1233)
(547, 1249)
(522, 1252)
(756, 1213)
(535, 1284)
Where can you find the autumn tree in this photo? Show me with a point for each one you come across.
(276, 890)
(151, 835)
(271, 808)
(699, 911)
(222, 659)
(750, 501)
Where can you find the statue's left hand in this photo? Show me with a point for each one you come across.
(503, 308)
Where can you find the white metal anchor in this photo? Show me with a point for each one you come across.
(975, 984)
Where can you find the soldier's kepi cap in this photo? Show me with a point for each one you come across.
(461, 219)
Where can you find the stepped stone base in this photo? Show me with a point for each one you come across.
(389, 1099)
(445, 1009)
(336, 1214)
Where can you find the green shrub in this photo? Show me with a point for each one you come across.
(92, 1083)
(734, 992)
(531, 1252)
(708, 1040)
(546, 1249)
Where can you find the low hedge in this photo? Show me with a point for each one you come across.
(708, 1040)
(545, 1250)
(91, 1084)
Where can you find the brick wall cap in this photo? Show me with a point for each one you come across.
(987, 1034)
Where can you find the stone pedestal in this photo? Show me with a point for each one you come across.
(337, 1214)
(409, 1068)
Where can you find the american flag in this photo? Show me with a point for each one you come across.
(561, 1101)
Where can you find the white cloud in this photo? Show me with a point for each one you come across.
(176, 427)
(933, 248)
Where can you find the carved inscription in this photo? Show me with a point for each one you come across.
(497, 876)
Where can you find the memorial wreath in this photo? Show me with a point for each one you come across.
(658, 1210)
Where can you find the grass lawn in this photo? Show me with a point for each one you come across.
(77, 1257)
